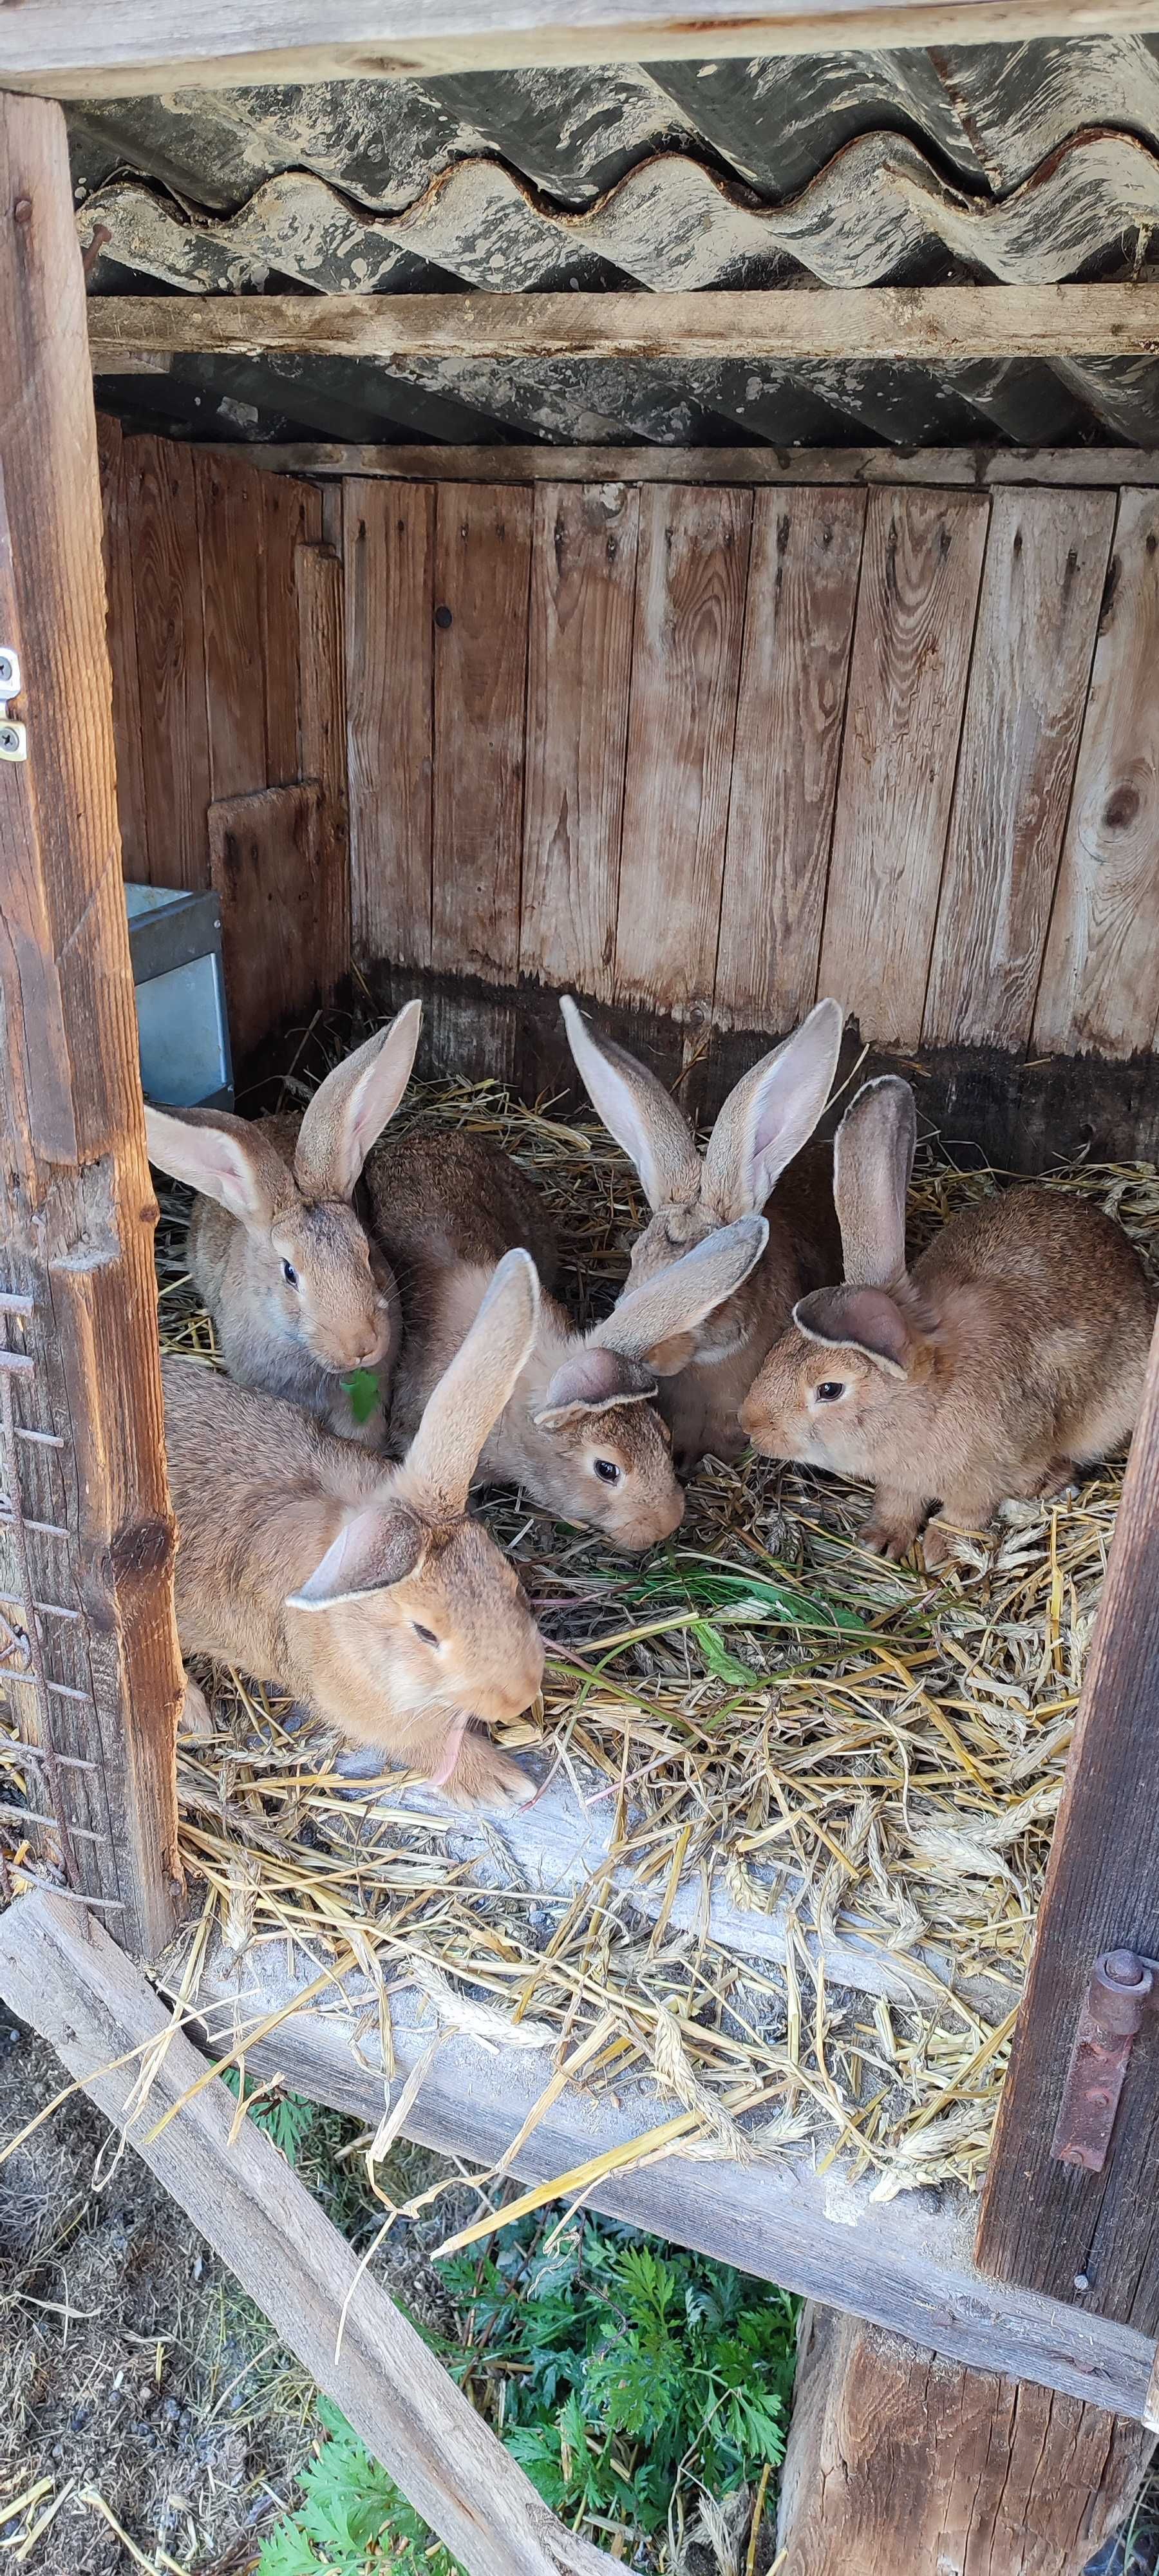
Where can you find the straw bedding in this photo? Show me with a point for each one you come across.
(763, 1716)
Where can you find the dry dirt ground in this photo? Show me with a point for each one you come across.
(131, 2365)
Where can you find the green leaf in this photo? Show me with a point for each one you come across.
(728, 1668)
(287, 2553)
(364, 1392)
(286, 2118)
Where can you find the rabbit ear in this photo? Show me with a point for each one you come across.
(873, 1158)
(471, 1394)
(771, 1114)
(377, 1547)
(593, 1380)
(637, 1111)
(351, 1108)
(667, 1309)
(227, 1158)
(862, 1319)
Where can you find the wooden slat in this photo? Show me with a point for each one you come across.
(979, 468)
(162, 515)
(270, 865)
(924, 324)
(76, 1204)
(898, 2460)
(583, 583)
(389, 572)
(322, 746)
(1045, 2225)
(802, 592)
(904, 2263)
(1100, 975)
(920, 573)
(69, 53)
(291, 516)
(65, 51)
(232, 528)
(1046, 561)
(96, 2010)
(482, 569)
(122, 640)
(690, 590)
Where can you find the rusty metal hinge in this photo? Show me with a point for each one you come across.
(1122, 1988)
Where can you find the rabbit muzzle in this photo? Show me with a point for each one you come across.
(507, 1696)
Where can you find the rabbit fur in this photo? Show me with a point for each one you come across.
(358, 1586)
(766, 1120)
(299, 1296)
(1011, 1355)
(581, 1434)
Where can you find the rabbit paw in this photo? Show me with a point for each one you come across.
(882, 1536)
(195, 1718)
(938, 1546)
(484, 1777)
(1059, 1476)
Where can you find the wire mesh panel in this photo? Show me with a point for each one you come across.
(55, 1797)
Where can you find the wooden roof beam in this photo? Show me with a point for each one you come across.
(68, 49)
(138, 334)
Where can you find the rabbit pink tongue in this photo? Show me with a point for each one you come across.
(450, 1753)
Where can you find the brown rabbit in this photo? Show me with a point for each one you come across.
(581, 1433)
(360, 1587)
(298, 1295)
(1013, 1354)
(764, 1123)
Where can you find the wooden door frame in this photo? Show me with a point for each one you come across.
(85, 1447)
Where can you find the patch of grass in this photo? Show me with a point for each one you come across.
(626, 2376)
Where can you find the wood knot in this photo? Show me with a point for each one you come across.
(443, 618)
(22, 211)
(1121, 808)
(143, 1549)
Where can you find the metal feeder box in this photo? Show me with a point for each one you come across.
(183, 1032)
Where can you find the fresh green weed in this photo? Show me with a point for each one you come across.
(622, 2373)
(285, 2117)
(632, 2368)
(351, 2519)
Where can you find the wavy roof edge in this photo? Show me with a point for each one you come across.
(1028, 163)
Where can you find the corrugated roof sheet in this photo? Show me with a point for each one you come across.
(1036, 163)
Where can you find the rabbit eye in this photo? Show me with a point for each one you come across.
(427, 1634)
(289, 1274)
(829, 1390)
(607, 1471)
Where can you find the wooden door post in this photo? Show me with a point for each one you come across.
(1091, 2237)
(903, 2464)
(93, 1673)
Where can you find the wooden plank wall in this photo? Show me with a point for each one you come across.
(228, 683)
(702, 754)
(698, 753)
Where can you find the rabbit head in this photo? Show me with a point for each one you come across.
(830, 1391)
(765, 1121)
(419, 1605)
(604, 1454)
(311, 1275)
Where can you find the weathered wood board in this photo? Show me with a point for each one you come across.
(700, 752)
(1091, 2237)
(88, 1531)
(905, 2264)
(901, 2461)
